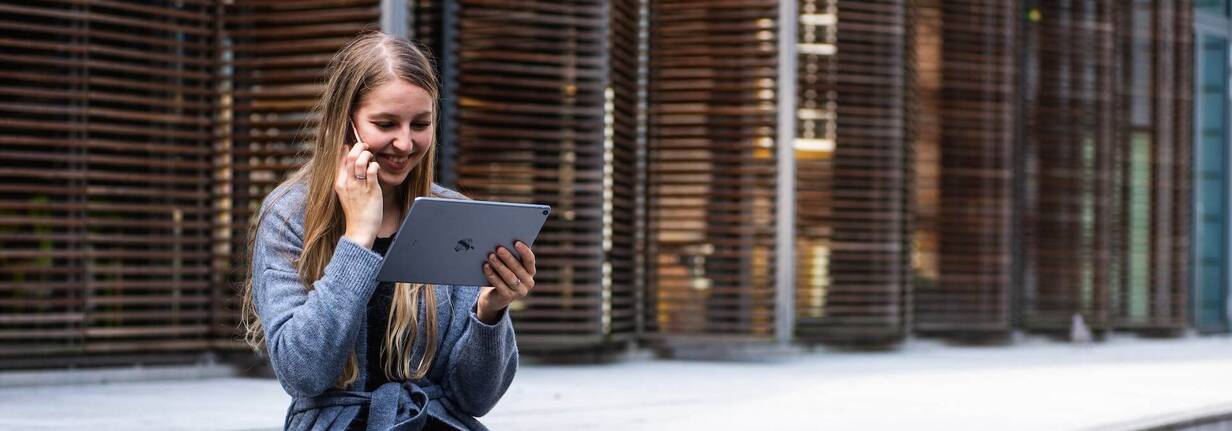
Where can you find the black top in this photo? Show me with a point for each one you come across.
(378, 320)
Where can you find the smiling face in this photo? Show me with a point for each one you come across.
(395, 121)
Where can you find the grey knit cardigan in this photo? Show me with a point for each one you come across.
(310, 334)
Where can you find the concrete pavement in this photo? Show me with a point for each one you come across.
(1033, 384)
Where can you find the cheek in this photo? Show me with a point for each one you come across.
(421, 152)
(423, 141)
(376, 140)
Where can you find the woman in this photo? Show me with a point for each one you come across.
(352, 353)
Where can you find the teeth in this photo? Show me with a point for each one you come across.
(395, 159)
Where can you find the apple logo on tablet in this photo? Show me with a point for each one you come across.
(464, 245)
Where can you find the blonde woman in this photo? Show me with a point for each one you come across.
(352, 353)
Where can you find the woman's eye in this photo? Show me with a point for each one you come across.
(384, 125)
(421, 126)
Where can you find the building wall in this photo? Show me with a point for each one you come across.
(106, 226)
(961, 167)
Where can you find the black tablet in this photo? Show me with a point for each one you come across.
(447, 241)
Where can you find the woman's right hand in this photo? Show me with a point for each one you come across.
(360, 194)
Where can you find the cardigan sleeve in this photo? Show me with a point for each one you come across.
(308, 333)
(482, 363)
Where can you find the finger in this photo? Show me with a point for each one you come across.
(528, 257)
(495, 280)
(512, 263)
(373, 168)
(361, 165)
(348, 161)
(343, 167)
(511, 280)
(484, 289)
(525, 281)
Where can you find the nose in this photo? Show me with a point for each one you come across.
(403, 140)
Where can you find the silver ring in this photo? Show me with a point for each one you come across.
(360, 178)
(516, 283)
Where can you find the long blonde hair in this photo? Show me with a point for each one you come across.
(367, 62)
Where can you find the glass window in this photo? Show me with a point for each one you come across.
(1140, 73)
(1211, 7)
(1211, 179)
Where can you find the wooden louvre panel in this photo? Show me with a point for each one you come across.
(1070, 241)
(623, 177)
(1154, 138)
(1175, 312)
(427, 30)
(104, 180)
(851, 167)
(426, 21)
(546, 111)
(967, 118)
(712, 168)
(275, 75)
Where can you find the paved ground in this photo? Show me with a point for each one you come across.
(1031, 385)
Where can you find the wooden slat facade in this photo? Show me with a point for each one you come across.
(1154, 135)
(852, 170)
(1070, 237)
(273, 77)
(1110, 164)
(546, 108)
(712, 168)
(429, 29)
(623, 175)
(105, 180)
(966, 108)
(960, 167)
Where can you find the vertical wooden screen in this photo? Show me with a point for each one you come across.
(926, 121)
(1153, 136)
(1071, 236)
(104, 180)
(426, 18)
(273, 78)
(546, 99)
(430, 27)
(1039, 160)
(624, 137)
(852, 171)
(711, 167)
(968, 95)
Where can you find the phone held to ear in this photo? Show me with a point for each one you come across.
(355, 132)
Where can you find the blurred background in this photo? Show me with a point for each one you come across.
(727, 176)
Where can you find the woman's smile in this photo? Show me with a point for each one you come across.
(393, 163)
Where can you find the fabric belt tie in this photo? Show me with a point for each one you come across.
(393, 406)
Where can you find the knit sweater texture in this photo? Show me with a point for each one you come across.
(309, 333)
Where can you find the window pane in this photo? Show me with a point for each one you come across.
(1211, 180)
(1211, 7)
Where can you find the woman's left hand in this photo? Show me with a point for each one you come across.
(511, 280)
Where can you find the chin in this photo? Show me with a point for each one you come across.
(395, 179)
(393, 182)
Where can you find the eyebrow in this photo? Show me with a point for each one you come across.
(390, 114)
